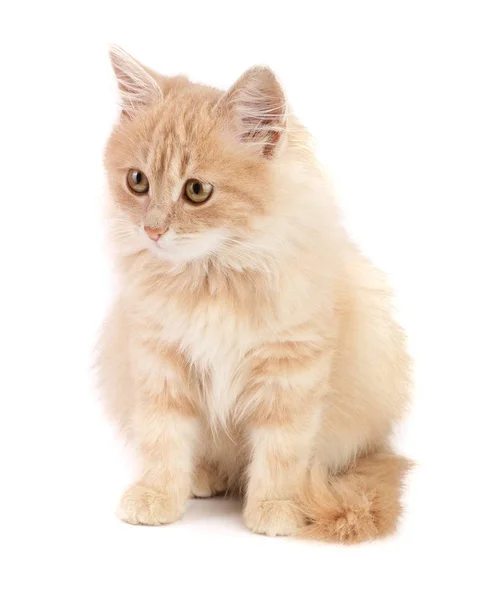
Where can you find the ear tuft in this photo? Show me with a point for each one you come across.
(258, 110)
(136, 85)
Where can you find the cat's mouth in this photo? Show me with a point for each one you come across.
(163, 249)
(183, 248)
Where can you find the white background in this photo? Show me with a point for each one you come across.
(394, 93)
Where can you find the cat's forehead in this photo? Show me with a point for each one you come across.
(179, 131)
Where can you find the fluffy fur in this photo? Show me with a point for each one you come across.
(251, 347)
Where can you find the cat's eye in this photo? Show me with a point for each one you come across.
(197, 191)
(137, 181)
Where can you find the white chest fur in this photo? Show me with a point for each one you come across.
(215, 341)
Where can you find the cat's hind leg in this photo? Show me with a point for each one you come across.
(208, 480)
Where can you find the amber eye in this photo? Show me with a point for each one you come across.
(197, 191)
(137, 181)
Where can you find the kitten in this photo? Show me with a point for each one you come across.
(251, 346)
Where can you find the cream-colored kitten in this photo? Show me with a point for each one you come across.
(251, 346)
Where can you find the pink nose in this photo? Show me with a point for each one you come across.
(154, 233)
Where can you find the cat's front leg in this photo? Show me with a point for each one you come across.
(277, 474)
(288, 388)
(164, 432)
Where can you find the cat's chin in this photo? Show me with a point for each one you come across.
(174, 257)
(166, 255)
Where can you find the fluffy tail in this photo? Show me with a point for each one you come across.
(362, 503)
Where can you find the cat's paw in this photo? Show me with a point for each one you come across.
(273, 517)
(142, 505)
(207, 481)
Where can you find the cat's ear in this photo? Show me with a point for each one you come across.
(257, 109)
(137, 87)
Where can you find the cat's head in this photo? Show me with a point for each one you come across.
(191, 169)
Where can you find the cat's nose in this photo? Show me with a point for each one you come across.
(155, 233)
